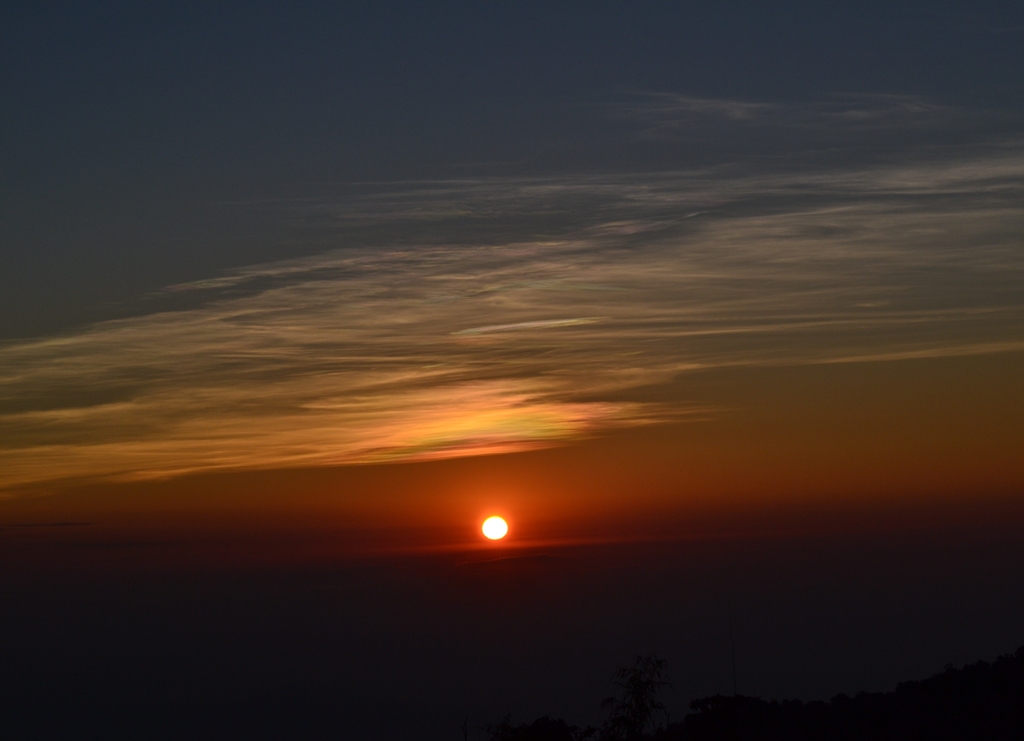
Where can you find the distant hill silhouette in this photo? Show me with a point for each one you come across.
(979, 701)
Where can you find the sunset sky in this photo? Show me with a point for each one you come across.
(308, 288)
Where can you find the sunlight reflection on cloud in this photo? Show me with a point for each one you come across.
(504, 344)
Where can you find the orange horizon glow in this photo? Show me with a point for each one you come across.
(625, 379)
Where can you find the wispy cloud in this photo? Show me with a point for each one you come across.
(503, 335)
(518, 326)
(838, 122)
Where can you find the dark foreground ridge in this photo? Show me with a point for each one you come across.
(979, 701)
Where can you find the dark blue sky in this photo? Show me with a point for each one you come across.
(264, 96)
(126, 127)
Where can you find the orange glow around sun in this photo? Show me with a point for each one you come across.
(495, 528)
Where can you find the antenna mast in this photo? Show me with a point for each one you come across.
(732, 646)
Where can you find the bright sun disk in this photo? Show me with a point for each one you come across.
(495, 528)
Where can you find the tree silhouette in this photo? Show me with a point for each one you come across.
(979, 702)
(636, 710)
(542, 729)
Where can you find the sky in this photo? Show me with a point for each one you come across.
(715, 304)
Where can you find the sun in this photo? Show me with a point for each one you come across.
(495, 528)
